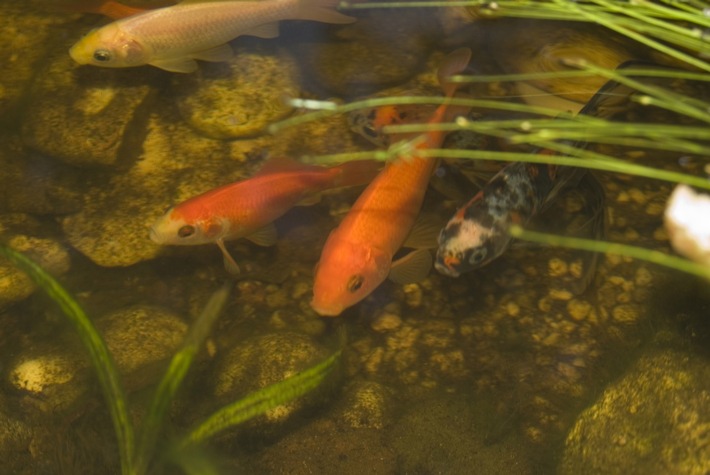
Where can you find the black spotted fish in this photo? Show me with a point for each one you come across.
(478, 231)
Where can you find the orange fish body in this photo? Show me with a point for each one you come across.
(248, 207)
(357, 256)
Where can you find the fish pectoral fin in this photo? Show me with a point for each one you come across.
(182, 65)
(413, 267)
(425, 232)
(229, 263)
(309, 200)
(266, 30)
(217, 54)
(265, 236)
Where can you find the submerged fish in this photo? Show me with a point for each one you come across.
(478, 231)
(357, 257)
(173, 37)
(247, 208)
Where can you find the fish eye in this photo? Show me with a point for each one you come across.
(354, 283)
(186, 231)
(102, 55)
(477, 256)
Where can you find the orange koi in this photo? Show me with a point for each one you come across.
(248, 208)
(357, 257)
(109, 8)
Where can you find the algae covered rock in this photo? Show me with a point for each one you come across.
(262, 361)
(239, 98)
(655, 419)
(86, 116)
(141, 340)
(24, 234)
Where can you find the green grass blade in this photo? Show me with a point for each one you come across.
(262, 400)
(98, 351)
(648, 255)
(174, 376)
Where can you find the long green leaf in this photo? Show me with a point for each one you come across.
(656, 257)
(98, 351)
(179, 365)
(262, 400)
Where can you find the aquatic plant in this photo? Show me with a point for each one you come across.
(677, 30)
(136, 456)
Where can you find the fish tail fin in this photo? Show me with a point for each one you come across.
(454, 63)
(357, 172)
(321, 10)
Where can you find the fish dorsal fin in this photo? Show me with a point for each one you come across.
(182, 65)
(217, 54)
(265, 236)
(411, 268)
(229, 263)
(454, 63)
(284, 164)
(265, 30)
(425, 232)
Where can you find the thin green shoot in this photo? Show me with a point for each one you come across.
(648, 255)
(100, 356)
(606, 163)
(173, 377)
(258, 402)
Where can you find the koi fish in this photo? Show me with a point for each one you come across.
(173, 37)
(247, 208)
(478, 231)
(357, 256)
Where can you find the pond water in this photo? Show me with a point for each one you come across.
(515, 367)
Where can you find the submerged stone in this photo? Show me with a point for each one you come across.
(24, 234)
(141, 340)
(261, 361)
(377, 51)
(86, 115)
(655, 419)
(239, 98)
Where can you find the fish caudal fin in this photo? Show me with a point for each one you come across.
(357, 172)
(320, 10)
(454, 63)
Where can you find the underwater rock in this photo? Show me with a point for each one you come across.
(52, 377)
(33, 184)
(86, 115)
(15, 437)
(112, 229)
(239, 98)
(366, 405)
(22, 233)
(451, 434)
(264, 360)
(27, 29)
(655, 419)
(379, 50)
(141, 339)
(325, 447)
(522, 46)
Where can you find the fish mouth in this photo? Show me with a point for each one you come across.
(446, 269)
(446, 264)
(327, 310)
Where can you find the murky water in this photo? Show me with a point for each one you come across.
(504, 370)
